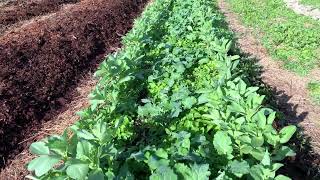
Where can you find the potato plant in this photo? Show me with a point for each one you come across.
(173, 104)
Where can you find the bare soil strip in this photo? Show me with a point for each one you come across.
(21, 10)
(42, 60)
(303, 9)
(290, 89)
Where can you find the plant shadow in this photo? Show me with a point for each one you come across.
(306, 164)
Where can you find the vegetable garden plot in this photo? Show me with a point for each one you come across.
(40, 61)
(173, 104)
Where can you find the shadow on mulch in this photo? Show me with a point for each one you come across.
(306, 164)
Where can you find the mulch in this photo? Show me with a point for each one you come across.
(20, 10)
(40, 61)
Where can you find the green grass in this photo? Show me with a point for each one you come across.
(289, 37)
(313, 3)
(314, 91)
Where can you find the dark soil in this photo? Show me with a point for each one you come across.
(55, 123)
(40, 61)
(20, 10)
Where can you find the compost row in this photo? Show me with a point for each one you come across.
(16, 11)
(39, 62)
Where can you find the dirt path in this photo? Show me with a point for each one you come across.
(57, 123)
(303, 9)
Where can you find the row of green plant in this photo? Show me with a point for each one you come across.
(289, 37)
(173, 104)
(313, 3)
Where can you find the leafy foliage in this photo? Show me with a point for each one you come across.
(171, 105)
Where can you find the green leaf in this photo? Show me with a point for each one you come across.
(189, 102)
(266, 161)
(240, 121)
(83, 149)
(101, 132)
(271, 118)
(110, 175)
(251, 90)
(154, 162)
(182, 170)
(78, 171)
(125, 173)
(31, 177)
(235, 107)
(58, 144)
(194, 172)
(85, 135)
(257, 141)
(239, 168)
(272, 139)
(96, 175)
(222, 142)
(189, 28)
(261, 119)
(39, 148)
(245, 149)
(286, 133)
(282, 177)
(204, 61)
(162, 153)
(138, 156)
(283, 152)
(43, 164)
(256, 172)
(125, 79)
(276, 166)
(258, 153)
(245, 139)
(202, 99)
(223, 176)
(164, 173)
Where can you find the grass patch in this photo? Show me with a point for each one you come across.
(313, 3)
(314, 91)
(289, 37)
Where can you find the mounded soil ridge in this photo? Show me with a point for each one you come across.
(40, 61)
(24, 9)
